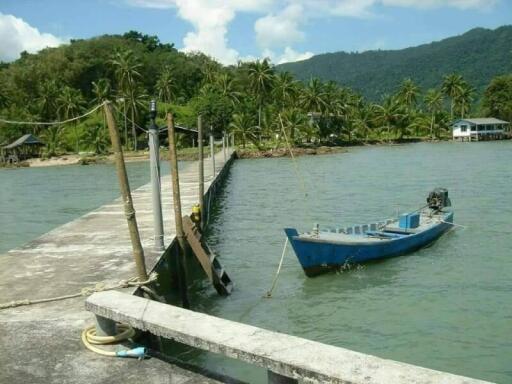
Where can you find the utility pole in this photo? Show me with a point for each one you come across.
(201, 166)
(154, 163)
(180, 236)
(138, 251)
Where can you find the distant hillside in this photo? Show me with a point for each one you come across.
(477, 55)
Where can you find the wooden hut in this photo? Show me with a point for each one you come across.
(26, 147)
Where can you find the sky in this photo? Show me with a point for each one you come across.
(232, 30)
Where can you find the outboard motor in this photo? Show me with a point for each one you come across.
(438, 199)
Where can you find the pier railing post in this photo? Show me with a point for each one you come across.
(212, 152)
(182, 275)
(201, 166)
(154, 161)
(138, 251)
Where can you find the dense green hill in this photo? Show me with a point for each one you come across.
(478, 55)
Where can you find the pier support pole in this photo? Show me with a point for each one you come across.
(224, 145)
(182, 275)
(201, 166)
(154, 162)
(212, 151)
(138, 251)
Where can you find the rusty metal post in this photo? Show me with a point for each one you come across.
(138, 251)
(180, 236)
(201, 166)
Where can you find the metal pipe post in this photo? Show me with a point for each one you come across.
(212, 152)
(201, 167)
(180, 236)
(154, 162)
(138, 251)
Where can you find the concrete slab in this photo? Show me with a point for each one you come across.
(41, 343)
(295, 357)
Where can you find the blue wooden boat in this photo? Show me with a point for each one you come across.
(321, 251)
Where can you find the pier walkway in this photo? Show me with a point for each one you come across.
(41, 343)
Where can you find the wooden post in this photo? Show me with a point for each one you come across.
(212, 152)
(224, 146)
(182, 276)
(138, 251)
(201, 167)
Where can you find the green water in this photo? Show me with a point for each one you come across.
(36, 200)
(446, 307)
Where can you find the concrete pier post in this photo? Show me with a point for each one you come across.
(275, 378)
(201, 166)
(154, 163)
(212, 152)
(104, 326)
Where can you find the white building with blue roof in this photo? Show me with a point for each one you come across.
(478, 129)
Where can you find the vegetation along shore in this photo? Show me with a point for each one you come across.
(256, 101)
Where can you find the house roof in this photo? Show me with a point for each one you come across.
(27, 139)
(483, 120)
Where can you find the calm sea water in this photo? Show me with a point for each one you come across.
(446, 307)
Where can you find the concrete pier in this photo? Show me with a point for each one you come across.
(41, 343)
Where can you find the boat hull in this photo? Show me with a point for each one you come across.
(320, 256)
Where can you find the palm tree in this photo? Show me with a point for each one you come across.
(451, 87)
(126, 69)
(434, 102)
(261, 78)
(388, 114)
(136, 98)
(102, 92)
(166, 85)
(47, 100)
(243, 125)
(285, 89)
(464, 99)
(314, 98)
(70, 104)
(225, 84)
(294, 121)
(98, 138)
(53, 139)
(362, 122)
(408, 93)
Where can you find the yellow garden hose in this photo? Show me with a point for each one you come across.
(125, 332)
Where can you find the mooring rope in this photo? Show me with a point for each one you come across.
(274, 282)
(52, 122)
(100, 287)
(297, 170)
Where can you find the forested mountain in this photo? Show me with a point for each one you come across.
(478, 55)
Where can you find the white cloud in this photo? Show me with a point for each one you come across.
(280, 29)
(210, 20)
(289, 54)
(281, 23)
(17, 36)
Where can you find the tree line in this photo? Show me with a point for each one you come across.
(254, 100)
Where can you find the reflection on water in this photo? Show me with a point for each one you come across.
(446, 307)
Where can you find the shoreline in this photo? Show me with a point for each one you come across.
(190, 155)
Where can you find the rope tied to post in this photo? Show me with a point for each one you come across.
(86, 291)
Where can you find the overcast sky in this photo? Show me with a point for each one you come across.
(231, 30)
